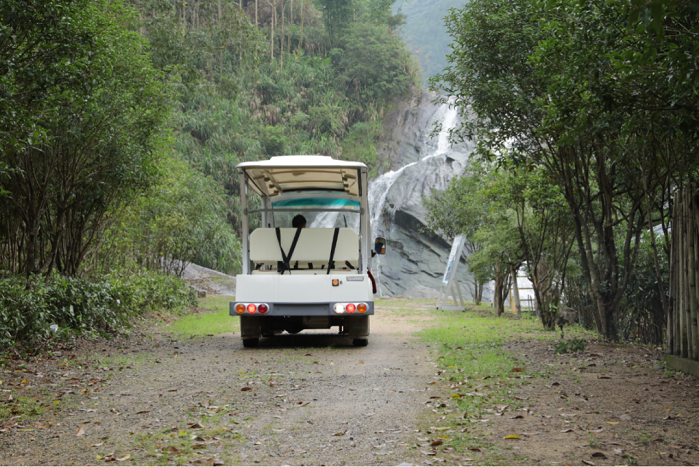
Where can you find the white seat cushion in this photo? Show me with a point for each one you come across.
(313, 246)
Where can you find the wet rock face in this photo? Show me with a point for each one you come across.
(406, 129)
(415, 259)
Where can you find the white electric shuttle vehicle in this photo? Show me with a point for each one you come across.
(305, 277)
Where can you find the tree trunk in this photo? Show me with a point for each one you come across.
(257, 24)
(303, 15)
(669, 315)
(692, 263)
(271, 40)
(478, 295)
(291, 22)
(515, 292)
(281, 41)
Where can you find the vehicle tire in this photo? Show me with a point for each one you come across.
(251, 342)
(360, 342)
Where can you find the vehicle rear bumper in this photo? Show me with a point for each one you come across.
(302, 309)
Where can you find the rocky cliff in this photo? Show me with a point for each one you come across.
(416, 163)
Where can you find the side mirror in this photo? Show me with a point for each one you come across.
(380, 246)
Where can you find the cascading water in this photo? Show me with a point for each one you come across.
(380, 187)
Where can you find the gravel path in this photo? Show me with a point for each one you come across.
(308, 399)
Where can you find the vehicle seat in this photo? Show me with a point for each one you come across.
(313, 246)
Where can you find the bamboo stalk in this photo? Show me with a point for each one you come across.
(693, 312)
(281, 42)
(683, 280)
(669, 319)
(303, 15)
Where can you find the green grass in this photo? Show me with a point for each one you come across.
(481, 371)
(212, 318)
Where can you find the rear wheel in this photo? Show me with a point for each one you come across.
(360, 342)
(251, 342)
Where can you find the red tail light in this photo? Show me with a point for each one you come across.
(351, 308)
(263, 308)
(252, 308)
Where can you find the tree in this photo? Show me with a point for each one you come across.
(374, 63)
(337, 15)
(545, 94)
(100, 140)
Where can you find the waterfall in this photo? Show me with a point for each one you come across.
(379, 188)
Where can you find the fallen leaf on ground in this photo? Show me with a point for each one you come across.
(613, 423)
(600, 455)
(143, 411)
(517, 416)
(246, 389)
(516, 369)
(588, 462)
(80, 432)
(569, 430)
(122, 459)
(429, 453)
(340, 433)
(437, 442)
(96, 445)
(595, 431)
(195, 426)
(512, 437)
(171, 449)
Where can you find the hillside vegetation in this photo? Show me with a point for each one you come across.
(121, 123)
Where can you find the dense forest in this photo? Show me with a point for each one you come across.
(121, 122)
(586, 116)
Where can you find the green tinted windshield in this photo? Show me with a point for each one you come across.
(316, 203)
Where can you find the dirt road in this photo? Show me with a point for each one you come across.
(304, 399)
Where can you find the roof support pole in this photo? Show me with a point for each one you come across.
(364, 228)
(245, 227)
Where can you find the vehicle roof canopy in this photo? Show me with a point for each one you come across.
(284, 174)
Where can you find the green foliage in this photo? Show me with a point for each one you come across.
(559, 87)
(374, 63)
(98, 130)
(180, 220)
(573, 345)
(29, 308)
(337, 15)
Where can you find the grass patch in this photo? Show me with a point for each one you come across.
(212, 318)
(480, 371)
(191, 442)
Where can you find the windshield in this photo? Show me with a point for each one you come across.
(308, 208)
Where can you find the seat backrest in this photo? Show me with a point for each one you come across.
(313, 246)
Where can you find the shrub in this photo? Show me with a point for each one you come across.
(28, 308)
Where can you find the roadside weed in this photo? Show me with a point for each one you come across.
(214, 319)
(473, 359)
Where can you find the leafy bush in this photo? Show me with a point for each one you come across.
(573, 345)
(28, 309)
